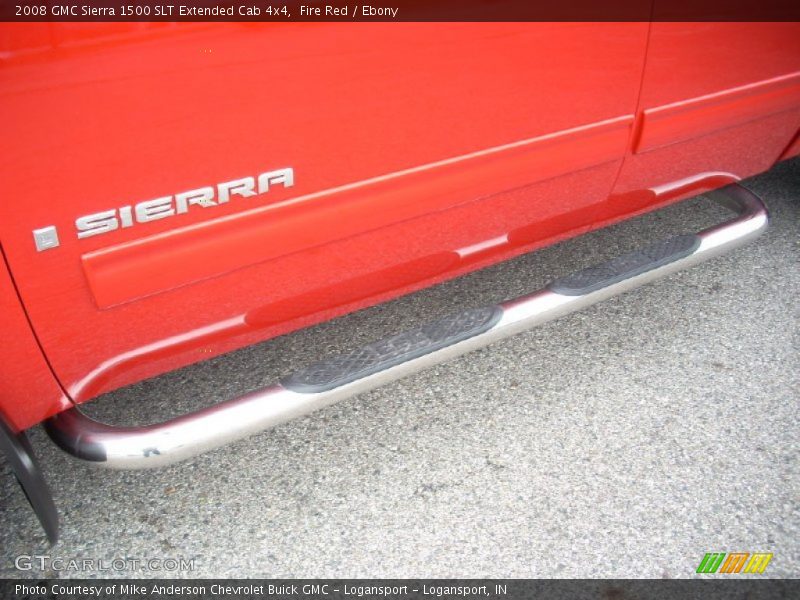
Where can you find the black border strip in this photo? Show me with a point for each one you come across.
(398, 10)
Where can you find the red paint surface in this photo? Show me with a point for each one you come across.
(162, 262)
(716, 97)
(793, 149)
(29, 392)
(421, 151)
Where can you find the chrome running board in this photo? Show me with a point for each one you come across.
(335, 379)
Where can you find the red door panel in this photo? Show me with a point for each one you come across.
(419, 151)
(718, 100)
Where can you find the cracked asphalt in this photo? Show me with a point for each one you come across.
(626, 440)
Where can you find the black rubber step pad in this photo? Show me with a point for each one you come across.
(625, 266)
(339, 370)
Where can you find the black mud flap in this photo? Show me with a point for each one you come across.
(18, 451)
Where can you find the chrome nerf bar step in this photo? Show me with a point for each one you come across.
(376, 364)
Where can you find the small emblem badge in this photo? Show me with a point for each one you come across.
(46, 238)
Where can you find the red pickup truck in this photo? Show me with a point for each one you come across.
(174, 192)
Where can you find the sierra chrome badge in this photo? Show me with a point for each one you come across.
(166, 206)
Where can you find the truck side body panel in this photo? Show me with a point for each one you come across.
(400, 155)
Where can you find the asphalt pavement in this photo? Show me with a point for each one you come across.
(626, 440)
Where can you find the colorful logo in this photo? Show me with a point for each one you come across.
(735, 562)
